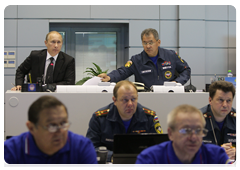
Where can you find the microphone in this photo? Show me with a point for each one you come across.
(42, 79)
(190, 87)
(39, 84)
(210, 118)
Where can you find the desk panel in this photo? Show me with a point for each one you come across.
(81, 106)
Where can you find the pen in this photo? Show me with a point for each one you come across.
(13, 84)
(30, 78)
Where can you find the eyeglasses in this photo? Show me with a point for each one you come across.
(199, 131)
(146, 43)
(53, 128)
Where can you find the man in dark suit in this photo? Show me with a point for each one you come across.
(38, 61)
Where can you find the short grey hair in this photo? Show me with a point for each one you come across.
(149, 31)
(186, 109)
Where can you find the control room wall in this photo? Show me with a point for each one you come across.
(201, 34)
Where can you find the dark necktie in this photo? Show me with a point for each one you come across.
(49, 75)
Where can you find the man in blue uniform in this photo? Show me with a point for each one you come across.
(124, 115)
(152, 66)
(221, 117)
(48, 140)
(185, 131)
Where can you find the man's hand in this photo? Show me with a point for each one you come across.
(15, 88)
(104, 77)
(230, 150)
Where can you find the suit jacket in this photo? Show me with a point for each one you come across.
(64, 69)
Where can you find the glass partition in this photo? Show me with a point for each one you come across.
(97, 47)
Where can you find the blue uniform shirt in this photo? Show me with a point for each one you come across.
(164, 154)
(126, 124)
(154, 60)
(106, 122)
(102, 127)
(225, 135)
(23, 150)
(145, 71)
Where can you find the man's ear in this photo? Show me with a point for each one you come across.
(169, 133)
(210, 100)
(114, 99)
(30, 126)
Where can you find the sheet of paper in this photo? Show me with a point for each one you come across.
(93, 81)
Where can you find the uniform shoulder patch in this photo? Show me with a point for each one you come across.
(207, 115)
(128, 64)
(233, 114)
(102, 112)
(149, 112)
(180, 59)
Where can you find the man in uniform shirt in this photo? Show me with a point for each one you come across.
(48, 140)
(153, 65)
(185, 131)
(221, 117)
(124, 115)
(37, 64)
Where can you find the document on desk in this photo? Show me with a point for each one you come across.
(93, 81)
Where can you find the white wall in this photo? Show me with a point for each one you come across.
(203, 35)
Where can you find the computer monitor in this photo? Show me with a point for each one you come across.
(126, 147)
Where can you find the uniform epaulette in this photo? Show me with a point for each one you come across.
(102, 112)
(149, 112)
(205, 115)
(233, 114)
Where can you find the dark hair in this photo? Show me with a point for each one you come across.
(122, 83)
(44, 102)
(149, 31)
(221, 85)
